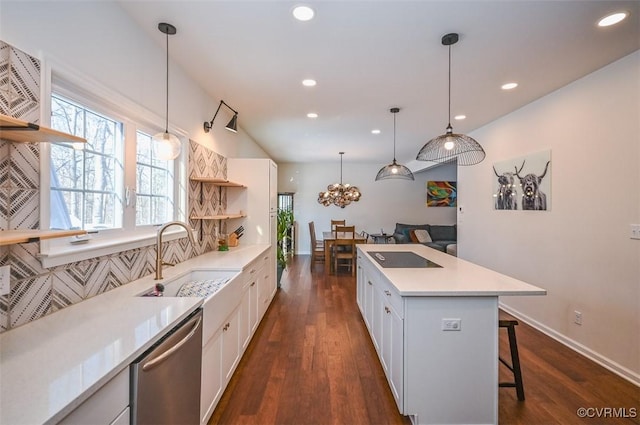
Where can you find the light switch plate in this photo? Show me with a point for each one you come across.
(5, 272)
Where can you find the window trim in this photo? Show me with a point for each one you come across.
(93, 95)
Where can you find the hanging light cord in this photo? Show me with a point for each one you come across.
(394, 137)
(166, 114)
(449, 124)
(341, 153)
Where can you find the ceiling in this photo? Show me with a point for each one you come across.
(369, 56)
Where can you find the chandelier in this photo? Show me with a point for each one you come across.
(339, 194)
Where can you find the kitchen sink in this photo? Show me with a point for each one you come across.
(196, 283)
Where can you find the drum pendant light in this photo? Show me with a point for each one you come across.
(166, 146)
(394, 170)
(450, 146)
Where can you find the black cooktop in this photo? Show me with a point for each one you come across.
(402, 260)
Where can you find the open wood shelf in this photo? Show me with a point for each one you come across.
(216, 182)
(218, 217)
(10, 237)
(15, 130)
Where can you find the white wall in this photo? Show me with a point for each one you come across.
(99, 42)
(581, 250)
(382, 205)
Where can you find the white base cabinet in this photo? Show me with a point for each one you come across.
(109, 405)
(435, 376)
(237, 310)
(382, 309)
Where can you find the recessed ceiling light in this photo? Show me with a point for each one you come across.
(459, 117)
(312, 115)
(375, 131)
(303, 13)
(509, 86)
(309, 82)
(612, 19)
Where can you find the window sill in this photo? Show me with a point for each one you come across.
(64, 252)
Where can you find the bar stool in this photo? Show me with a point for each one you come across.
(514, 367)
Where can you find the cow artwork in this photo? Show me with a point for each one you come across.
(523, 183)
(507, 195)
(532, 197)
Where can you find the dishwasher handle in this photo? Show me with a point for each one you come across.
(158, 360)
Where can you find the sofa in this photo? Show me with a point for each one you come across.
(442, 236)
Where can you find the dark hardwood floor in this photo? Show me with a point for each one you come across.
(311, 362)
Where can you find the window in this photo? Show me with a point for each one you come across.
(113, 186)
(85, 190)
(154, 183)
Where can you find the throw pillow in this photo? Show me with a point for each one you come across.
(422, 235)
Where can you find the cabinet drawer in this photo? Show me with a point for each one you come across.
(391, 295)
(105, 406)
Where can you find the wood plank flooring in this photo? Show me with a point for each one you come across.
(311, 362)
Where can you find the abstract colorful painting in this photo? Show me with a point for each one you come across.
(441, 194)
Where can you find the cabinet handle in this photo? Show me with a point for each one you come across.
(387, 292)
(386, 309)
(253, 284)
(369, 282)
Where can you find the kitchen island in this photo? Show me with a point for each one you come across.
(433, 319)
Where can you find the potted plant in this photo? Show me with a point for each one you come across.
(284, 223)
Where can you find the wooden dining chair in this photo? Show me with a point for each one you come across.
(335, 223)
(344, 252)
(317, 247)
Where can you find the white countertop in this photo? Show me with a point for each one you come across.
(457, 277)
(50, 366)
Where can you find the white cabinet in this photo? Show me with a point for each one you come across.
(232, 316)
(382, 309)
(267, 285)
(230, 345)
(273, 187)
(220, 356)
(435, 376)
(392, 350)
(211, 388)
(260, 199)
(108, 405)
(249, 311)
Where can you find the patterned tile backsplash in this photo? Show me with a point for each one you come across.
(37, 291)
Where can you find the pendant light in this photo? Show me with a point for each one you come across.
(166, 145)
(394, 170)
(339, 194)
(450, 145)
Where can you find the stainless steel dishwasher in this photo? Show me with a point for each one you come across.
(165, 380)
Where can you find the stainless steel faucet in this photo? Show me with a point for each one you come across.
(159, 261)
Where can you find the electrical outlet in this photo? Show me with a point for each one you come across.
(635, 231)
(451, 324)
(577, 317)
(5, 272)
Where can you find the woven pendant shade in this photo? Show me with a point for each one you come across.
(451, 146)
(394, 170)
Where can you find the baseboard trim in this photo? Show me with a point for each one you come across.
(603, 361)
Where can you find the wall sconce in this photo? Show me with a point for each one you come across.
(233, 124)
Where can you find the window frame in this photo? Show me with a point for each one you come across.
(135, 118)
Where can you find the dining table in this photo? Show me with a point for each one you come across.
(329, 239)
